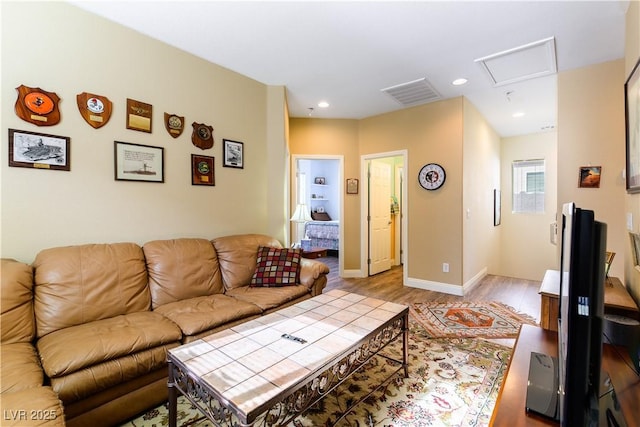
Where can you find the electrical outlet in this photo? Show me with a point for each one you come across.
(445, 267)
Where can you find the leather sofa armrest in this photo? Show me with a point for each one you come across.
(313, 274)
(32, 407)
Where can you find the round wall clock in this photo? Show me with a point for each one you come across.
(431, 176)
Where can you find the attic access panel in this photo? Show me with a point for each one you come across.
(525, 62)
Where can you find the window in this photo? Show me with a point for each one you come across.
(528, 186)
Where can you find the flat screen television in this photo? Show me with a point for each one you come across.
(567, 387)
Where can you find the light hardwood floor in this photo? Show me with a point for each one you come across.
(520, 294)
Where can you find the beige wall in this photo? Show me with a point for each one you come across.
(526, 250)
(430, 133)
(591, 132)
(72, 52)
(481, 160)
(632, 202)
(438, 228)
(334, 137)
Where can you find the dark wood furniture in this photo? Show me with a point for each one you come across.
(314, 253)
(510, 406)
(616, 300)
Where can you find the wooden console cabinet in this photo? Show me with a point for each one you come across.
(510, 406)
(616, 300)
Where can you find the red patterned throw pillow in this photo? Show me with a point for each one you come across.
(276, 267)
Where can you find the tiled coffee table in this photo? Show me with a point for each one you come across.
(251, 375)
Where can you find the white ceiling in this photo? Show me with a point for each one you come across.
(346, 52)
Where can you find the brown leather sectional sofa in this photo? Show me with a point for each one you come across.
(85, 329)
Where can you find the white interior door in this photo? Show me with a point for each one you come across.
(379, 217)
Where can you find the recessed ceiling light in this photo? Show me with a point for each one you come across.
(518, 114)
(323, 104)
(459, 82)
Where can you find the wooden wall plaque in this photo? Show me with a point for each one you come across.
(94, 109)
(139, 115)
(202, 136)
(37, 106)
(174, 124)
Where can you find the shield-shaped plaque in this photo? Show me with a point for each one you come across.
(202, 136)
(37, 106)
(174, 124)
(94, 109)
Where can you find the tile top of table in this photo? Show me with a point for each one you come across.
(251, 363)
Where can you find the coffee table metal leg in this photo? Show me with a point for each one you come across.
(405, 345)
(173, 398)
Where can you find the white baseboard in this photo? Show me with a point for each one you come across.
(429, 285)
(447, 288)
(473, 282)
(353, 274)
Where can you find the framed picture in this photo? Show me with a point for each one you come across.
(635, 249)
(233, 154)
(589, 177)
(319, 180)
(202, 170)
(497, 207)
(135, 162)
(632, 124)
(607, 262)
(352, 186)
(139, 115)
(39, 150)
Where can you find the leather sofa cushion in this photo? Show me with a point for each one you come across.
(71, 349)
(87, 382)
(237, 255)
(20, 367)
(200, 314)
(32, 407)
(268, 298)
(16, 303)
(76, 285)
(181, 269)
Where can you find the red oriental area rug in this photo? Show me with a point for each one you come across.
(486, 319)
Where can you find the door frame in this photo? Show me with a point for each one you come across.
(294, 194)
(364, 210)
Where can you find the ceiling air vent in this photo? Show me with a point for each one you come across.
(413, 93)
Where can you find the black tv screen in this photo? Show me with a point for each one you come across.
(566, 388)
(580, 318)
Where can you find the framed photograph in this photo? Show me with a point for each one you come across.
(135, 162)
(39, 150)
(635, 249)
(352, 186)
(632, 124)
(233, 154)
(139, 115)
(497, 207)
(202, 172)
(589, 177)
(319, 180)
(607, 262)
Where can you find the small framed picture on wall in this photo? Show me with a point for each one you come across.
(233, 154)
(589, 177)
(352, 186)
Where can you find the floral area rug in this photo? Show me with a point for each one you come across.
(452, 382)
(469, 319)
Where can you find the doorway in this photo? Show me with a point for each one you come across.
(318, 184)
(383, 222)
